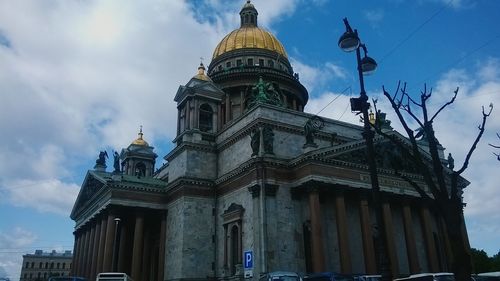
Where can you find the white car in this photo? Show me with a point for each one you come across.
(280, 276)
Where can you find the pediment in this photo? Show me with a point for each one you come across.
(92, 184)
(198, 87)
(387, 154)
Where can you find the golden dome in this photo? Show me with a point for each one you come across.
(248, 37)
(201, 74)
(140, 140)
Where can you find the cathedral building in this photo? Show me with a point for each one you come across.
(253, 185)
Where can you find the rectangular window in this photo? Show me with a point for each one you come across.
(261, 62)
(250, 62)
(239, 62)
(228, 64)
(270, 63)
(27, 264)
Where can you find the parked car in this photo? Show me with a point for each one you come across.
(487, 276)
(367, 277)
(280, 276)
(328, 276)
(67, 278)
(113, 276)
(440, 276)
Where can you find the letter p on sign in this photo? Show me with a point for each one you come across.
(248, 258)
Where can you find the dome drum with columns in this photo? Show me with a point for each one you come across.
(247, 53)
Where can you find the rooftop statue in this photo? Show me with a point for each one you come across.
(312, 125)
(116, 162)
(102, 158)
(264, 92)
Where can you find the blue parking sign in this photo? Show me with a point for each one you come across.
(248, 259)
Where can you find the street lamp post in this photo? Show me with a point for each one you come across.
(115, 245)
(348, 42)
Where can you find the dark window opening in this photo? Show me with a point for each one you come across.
(306, 228)
(239, 62)
(140, 169)
(235, 253)
(206, 122)
(270, 63)
(261, 62)
(228, 64)
(250, 62)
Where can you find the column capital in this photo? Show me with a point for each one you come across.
(254, 190)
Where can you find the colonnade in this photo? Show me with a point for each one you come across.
(369, 253)
(131, 245)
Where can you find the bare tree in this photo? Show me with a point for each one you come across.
(444, 183)
(496, 146)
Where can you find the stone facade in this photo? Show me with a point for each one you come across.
(42, 265)
(248, 174)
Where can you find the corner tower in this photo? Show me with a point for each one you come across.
(138, 159)
(246, 54)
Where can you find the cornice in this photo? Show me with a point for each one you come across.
(189, 145)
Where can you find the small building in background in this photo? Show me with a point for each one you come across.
(42, 265)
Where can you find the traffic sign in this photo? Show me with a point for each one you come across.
(248, 259)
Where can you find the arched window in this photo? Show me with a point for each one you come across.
(206, 120)
(140, 169)
(235, 248)
(232, 224)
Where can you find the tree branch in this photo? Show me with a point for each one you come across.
(479, 135)
(415, 185)
(497, 155)
(415, 149)
(446, 104)
(498, 135)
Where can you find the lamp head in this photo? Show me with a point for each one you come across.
(349, 41)
(368, 65)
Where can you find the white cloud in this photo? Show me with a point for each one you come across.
(80, 77)
(53, 196)
(455, 4)
(374, 16)
(314, 77)
(11, 257)
(333, 105)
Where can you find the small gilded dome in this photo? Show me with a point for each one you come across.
(249, 37)
(140, 141)
(201, 73)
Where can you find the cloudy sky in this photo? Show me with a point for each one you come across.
(79, 76)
